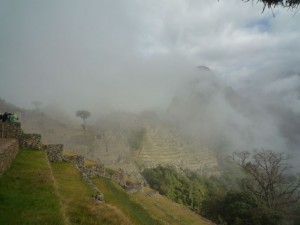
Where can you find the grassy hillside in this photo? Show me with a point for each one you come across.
(139, 206)
(78, 205)
(167, 211)
(119, 198)
(34, 192)
(27, 193)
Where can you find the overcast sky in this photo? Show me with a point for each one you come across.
(135, 54)
(131, 54)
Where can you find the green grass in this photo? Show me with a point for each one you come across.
(79, 207)
(120, 199)
(30, 196)
(167, 210)
(27, 193)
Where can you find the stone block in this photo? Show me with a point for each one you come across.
(55, 152)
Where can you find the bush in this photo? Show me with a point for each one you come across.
(239, 208)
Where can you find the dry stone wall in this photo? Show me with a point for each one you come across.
(94, 171)
(55, 152)
(8, 151)
(10, 130)
(14, 130)
(87, 172)
(30, 141)
(12, 138)
(77, 159)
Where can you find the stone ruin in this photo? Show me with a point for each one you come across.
(77, 159)
(54, 152)
(8, 151)
(14, 130)
(12, 139)
(95, 170)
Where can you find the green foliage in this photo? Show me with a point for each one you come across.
(243, 208)
(296, 212)
(187, 190)
(213, 197)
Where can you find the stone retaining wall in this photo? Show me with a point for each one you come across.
(8, 151)
(14, 130)
(94, 171)
(77, 159)
(30, 141)
(10, 130)
(54, 152)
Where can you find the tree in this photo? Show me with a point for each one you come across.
(83, 114)
(239, 208)
(283, 3)
(268, 177)
(37, 104)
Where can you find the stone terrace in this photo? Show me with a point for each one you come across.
(167, 148)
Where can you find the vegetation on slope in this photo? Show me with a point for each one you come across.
(27, 194)
(79, 207)
(33, 193)
(119, 198)
(166, 210)
(189, 190)
(219, 199)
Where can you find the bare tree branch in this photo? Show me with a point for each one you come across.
(270, 180)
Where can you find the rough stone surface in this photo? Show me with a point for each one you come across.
(10, 130)
(30, 141)
(87, 173)
(14, 130)
(77, 159)
(8, 151)
(55, 152)
(98, 197)
(94, 171)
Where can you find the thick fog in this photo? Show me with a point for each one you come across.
(228, 119)
(134, 55)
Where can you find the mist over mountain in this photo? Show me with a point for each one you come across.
(221, 72)
(263, 114)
